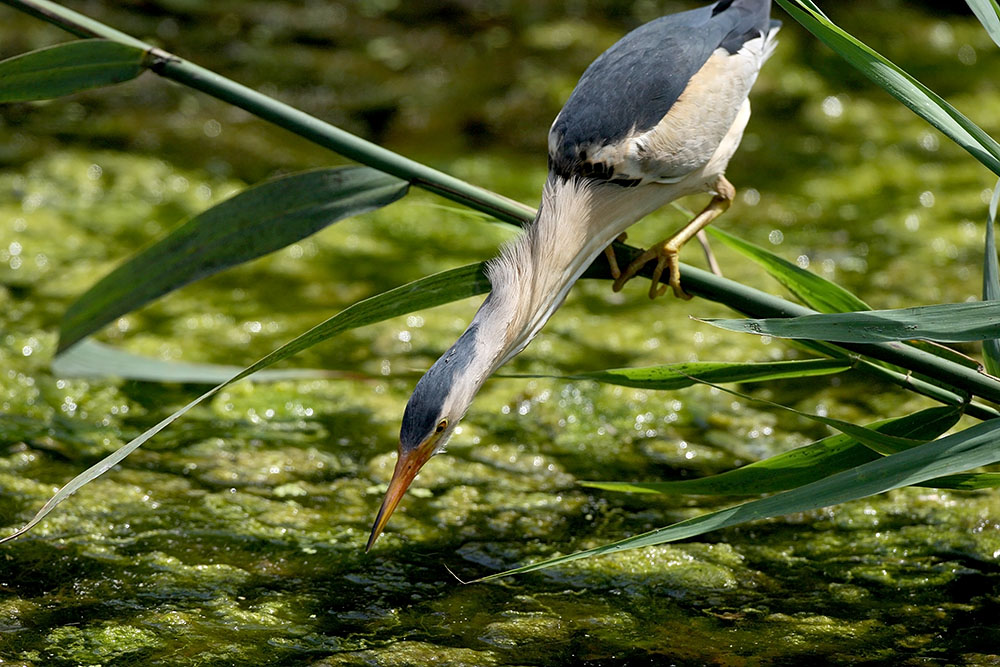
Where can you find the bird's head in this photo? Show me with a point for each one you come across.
(438, 403)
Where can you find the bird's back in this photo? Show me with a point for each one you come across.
(632, 86)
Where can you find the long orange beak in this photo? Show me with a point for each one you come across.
(408, 465)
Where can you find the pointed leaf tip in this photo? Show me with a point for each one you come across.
(68, 68)
(944, 323)
(988, 13)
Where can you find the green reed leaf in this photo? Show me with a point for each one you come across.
(677, 376)
(814, 291)
(972, 448)
(427, 292)
(257, 221)
(917, 97)
(92, 359)
(68, 68)
(801, 465)
(968, 481)
(944, 323)
(988, 13)
(991, 283)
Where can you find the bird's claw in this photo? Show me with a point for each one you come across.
(609, 253)
(666, 259)
(616, 273)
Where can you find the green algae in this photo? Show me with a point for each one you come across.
(236, 536)
(96, 646)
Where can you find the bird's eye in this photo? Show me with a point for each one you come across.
(442, 425)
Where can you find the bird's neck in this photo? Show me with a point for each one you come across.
(532, 275)
(577, 219)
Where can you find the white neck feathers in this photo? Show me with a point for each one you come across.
(533, 273)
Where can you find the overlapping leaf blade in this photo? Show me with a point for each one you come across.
(801, 465)
(678, 376)
(68, 68)
(257, 221)
(972, 448)
(92, 359)
(944, 323)
(821, 294)
(883, 443)
(966, 481)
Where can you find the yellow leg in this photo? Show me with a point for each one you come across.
(666, 252)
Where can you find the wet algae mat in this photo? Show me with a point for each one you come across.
(236, 536)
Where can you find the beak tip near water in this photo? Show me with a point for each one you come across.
(408, 464)
(371, 539)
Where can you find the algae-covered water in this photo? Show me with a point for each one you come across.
(236, 536)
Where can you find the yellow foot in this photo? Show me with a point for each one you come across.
(666, 256)
(666, 252)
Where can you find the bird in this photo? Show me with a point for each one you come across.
(655, 117)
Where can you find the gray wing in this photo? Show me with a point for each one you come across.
(632, 86)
